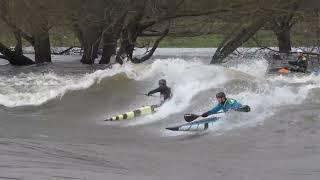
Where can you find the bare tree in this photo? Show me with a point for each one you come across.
(117, 24)
(7, 14)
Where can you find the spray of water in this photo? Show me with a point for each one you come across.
(186, 78)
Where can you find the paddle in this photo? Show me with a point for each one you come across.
(192, 117)
(244, 108)
(147, 94)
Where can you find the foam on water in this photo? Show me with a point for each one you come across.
(186, 78)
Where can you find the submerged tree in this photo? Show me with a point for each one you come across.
(281, 14)
(8, 13)
(115, 26)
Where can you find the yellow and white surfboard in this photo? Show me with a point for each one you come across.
(145, 110)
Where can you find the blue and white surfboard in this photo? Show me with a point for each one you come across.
(200, 125)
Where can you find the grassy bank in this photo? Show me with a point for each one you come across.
(213, 40)
(266, 38)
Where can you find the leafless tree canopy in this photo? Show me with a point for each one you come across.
(115, 25)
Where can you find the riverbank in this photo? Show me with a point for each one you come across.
(266, 38)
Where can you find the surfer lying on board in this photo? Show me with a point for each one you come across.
(163, 89)
(226, 104)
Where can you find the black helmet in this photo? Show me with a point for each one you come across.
(162, 82)
(221, 95)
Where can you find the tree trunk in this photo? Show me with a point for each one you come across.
(18, 47)
(318, 32)
(109, 48)
(42, 46)
(13, 58)
(121, 51)
(90, 44)
(40, 31)
(129, 36)
(233, 42)
(282, 25)
(78, 33)
(284, 40)
(125, 46)
(281, 28)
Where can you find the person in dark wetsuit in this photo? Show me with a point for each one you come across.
(163, 89)
(301, 64)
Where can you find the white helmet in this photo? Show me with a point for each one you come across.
(299, 51)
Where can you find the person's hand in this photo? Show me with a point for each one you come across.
(206, 114)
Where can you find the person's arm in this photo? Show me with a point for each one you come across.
(154, 91)
(214, 110)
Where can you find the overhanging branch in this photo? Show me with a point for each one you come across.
(155, 46)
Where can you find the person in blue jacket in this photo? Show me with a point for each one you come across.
(226, 104)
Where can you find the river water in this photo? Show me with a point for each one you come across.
(51, 120)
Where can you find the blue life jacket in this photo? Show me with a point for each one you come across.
(228, 104)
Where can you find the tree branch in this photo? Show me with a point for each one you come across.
(28, 38)
(4, 57)
(155, 46)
